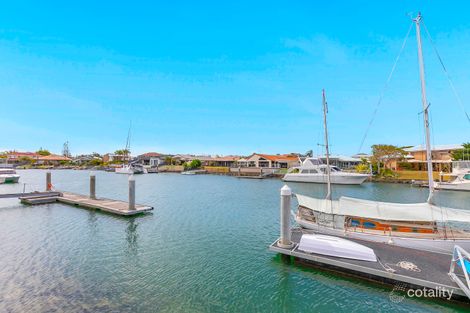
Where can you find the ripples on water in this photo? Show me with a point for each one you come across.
(203, 249)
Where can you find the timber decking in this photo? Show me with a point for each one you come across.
(103, 204)
(108, 205)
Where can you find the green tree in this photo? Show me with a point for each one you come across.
(462, 154)
(195, 163)
(169, 160)
(95, 162)
(122, 152)
(382, 153)
(43, 152)
(192, 165)
(25, 159)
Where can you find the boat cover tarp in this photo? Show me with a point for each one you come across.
(384, 210)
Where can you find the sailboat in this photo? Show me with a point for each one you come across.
(422, 226)
(131, 167)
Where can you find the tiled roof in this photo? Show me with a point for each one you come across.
(150, 154)
(20, 154)
(53, 157)
(278, 157)
(226, 158)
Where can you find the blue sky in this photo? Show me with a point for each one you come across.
(226, 78)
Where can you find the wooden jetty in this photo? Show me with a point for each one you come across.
(36, 194)
(91, 201)
(103, 204)
(399, 266)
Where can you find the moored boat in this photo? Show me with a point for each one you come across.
(460, 177)
(422, 226)
(131, 169)
(8, 175)
(313, 171)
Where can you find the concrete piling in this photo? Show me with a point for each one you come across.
(48, 181)
(131, 192)
(285, 240)
(92, 185)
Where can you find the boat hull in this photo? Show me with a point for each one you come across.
(130, 170)
(337, 247)
(351, 179)
(9, 179)
(450, 186)
(434, 245)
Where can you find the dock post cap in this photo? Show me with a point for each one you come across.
(286, 191)
(131, 177)
(92, 173)
(288, 245)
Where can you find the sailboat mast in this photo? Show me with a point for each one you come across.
(325, 111)
(417, 21)
(128, 142)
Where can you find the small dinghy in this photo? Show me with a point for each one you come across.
(337, 247)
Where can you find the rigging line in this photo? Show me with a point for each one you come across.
(384, 88)
(451, 83)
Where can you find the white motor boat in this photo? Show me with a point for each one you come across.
(193, 172)
(313, 171)
(460, 177)
(335, 246)
(8, 175)
(460, 182)
(131, 169)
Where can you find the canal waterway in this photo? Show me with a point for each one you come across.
(202, 249)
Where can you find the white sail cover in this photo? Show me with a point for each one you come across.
(384, 210)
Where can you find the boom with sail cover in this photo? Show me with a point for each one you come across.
(423, 212)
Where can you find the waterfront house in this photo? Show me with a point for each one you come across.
(116, 158)
(342, 161)
(52, 159)
(441, 157)
(187, 158)
(151, 159)
(85, 159)
(269, 161)
(224, 161)
(415, 158)
(18, 158)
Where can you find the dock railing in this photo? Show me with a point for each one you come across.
(461, 258)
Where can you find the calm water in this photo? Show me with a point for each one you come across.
(203, 249)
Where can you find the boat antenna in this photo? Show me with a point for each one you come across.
(328, 178)
(417, 22)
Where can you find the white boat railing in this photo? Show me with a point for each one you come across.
(462, 258)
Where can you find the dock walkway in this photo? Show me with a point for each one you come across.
(414, 268)
(103, 204)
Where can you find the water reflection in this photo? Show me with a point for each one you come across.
(92, 222)
(132, 236)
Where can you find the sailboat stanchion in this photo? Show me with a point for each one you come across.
(131, 192)
(48, 181)
(285, 240)
(92, 185)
